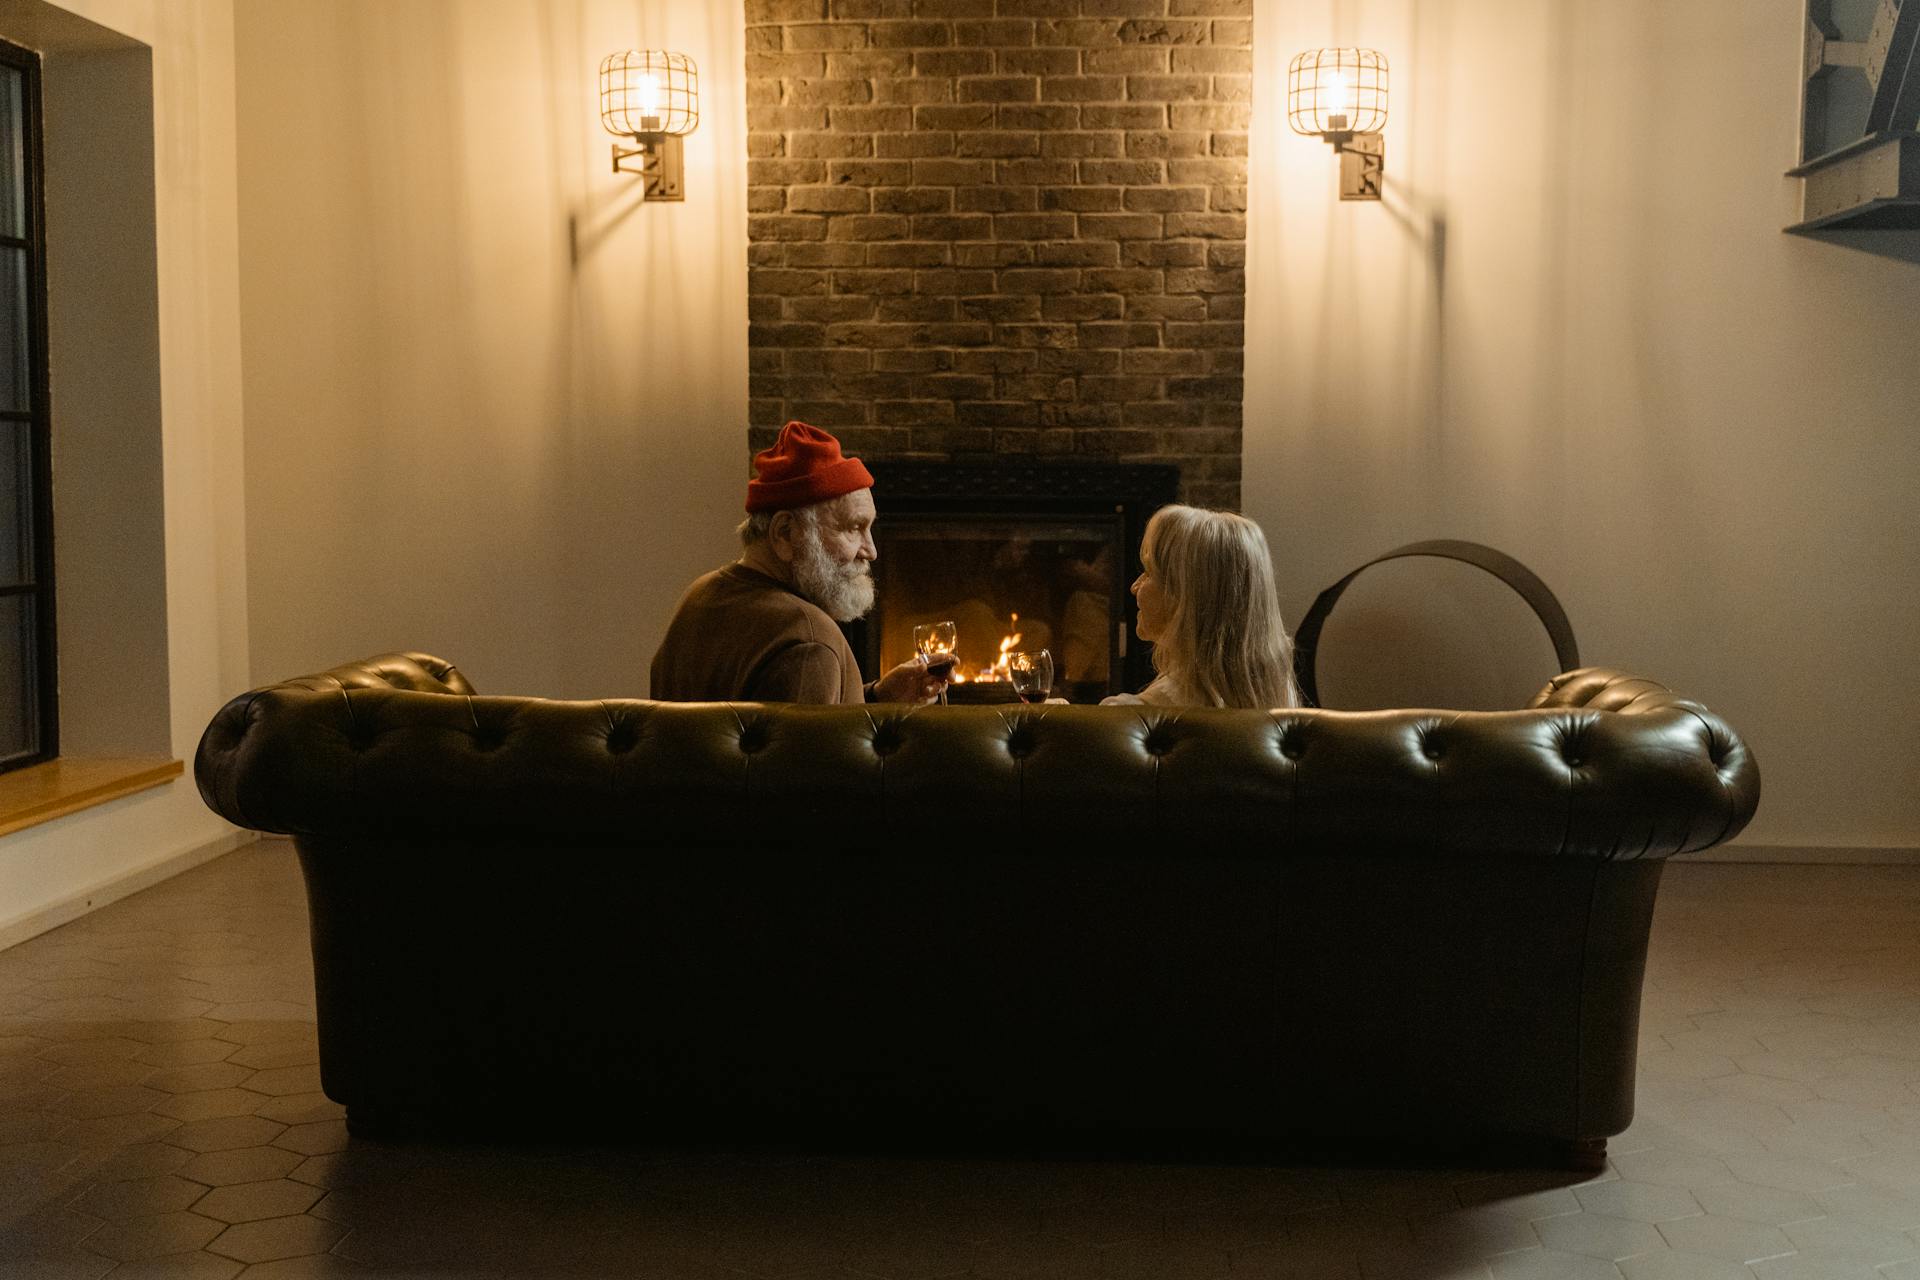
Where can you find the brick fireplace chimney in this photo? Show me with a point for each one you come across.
(982, 229)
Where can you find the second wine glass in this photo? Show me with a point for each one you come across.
(1032, 674)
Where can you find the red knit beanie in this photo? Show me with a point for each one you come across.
(803, 467)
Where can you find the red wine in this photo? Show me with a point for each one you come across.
(940, 664)
(1033, 695)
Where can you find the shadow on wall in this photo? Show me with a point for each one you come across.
(1425, 222)
(593, 218)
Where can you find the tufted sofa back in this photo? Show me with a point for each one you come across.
(1600, 766)
(1087, 921)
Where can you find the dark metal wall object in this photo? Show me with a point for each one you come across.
(1889, 65)
(1860, 104)
(1524, 581)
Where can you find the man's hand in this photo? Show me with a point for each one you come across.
(910, 682)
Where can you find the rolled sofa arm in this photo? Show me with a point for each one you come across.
(1603, 767)
(227, 786)
(419, 672)
(1602, 689)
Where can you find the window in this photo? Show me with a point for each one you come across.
(28, 728)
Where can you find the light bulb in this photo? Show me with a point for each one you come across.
(1337, 102)
(647, 89)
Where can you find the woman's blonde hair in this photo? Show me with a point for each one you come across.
(1223, 644)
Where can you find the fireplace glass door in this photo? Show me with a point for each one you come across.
(1008, 585)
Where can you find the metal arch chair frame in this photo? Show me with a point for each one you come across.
(1525, 582)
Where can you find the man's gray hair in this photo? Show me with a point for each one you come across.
(755, 527)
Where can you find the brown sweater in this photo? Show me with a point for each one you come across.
(740, 636)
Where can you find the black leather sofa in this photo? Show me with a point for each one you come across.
(1046, 925)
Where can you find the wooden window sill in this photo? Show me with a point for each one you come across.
(43, 792)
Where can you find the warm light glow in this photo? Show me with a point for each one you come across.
(998, 671)
(1337, 95)
(649, 91)
(1337, 91)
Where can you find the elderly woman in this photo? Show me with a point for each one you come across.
(1208, 604)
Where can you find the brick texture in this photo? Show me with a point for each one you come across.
(1002, 227)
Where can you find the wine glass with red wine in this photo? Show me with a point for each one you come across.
(938, 643)
(1032, 674)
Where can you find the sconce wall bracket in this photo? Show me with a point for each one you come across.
(1363, 163)
(660, 162)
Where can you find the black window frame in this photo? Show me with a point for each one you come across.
(37, 416)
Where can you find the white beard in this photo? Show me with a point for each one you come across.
(842, 591)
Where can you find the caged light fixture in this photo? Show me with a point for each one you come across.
(1341, 95)
(652, 97)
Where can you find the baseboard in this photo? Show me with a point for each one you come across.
(1826, 855)
(33, 923)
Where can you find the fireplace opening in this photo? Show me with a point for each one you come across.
(1007, 586)
(1020, 557)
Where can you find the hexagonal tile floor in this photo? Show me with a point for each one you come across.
(160, 1116)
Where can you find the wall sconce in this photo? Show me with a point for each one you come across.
(653, 97)
(1341, 95)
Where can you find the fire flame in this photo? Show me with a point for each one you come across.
(1007, 642)
(998, 671)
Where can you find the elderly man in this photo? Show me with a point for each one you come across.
(762, 628)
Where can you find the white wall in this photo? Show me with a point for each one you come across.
(1574, 330)
(496, 410)
(53, 868)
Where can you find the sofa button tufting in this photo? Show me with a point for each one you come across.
(1306, 885)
